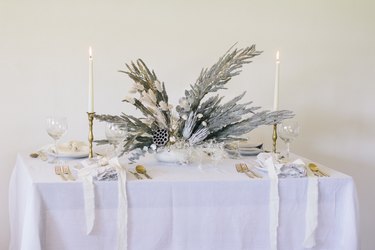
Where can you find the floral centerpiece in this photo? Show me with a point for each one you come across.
(201, 116)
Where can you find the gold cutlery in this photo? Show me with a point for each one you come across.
(240, 170)
(39, 154)
(138, 176)
(142, 170)
(58, 171)
(66, 170)
(317, 172)
(245, 168)
(34, 155)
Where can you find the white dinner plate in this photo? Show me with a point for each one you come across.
(245, 152)
(250, 152)
(250, 145)
(73, 149)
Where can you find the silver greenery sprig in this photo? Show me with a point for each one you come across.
(199, 118)
(213, 79)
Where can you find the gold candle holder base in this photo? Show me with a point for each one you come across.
(274, 138)
(91, 134)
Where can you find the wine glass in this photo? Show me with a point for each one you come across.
(56, 127)
(288, 130)
(115, 133)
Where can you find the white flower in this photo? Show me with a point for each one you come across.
(145, 148)
(204, 124)
(164, 106)
(139, 87)
(184, 104)
(152, 96)
(160, 118)
(146, 99)
(172, 139)
(133, 89)
(158, 86)
(153, 146)
(184, 117)
(129, 99)
(199, 116)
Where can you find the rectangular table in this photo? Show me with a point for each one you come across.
(182, 207)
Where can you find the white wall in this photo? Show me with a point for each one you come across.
(327, 71)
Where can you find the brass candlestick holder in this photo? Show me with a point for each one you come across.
(91, 134)
(274, 138)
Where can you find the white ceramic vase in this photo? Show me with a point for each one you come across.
(180, 156)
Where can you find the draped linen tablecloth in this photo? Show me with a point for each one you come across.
(181, 208)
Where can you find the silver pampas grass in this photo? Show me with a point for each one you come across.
(200, 117)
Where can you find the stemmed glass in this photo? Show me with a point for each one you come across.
(288, 130)
(115, 133)
(56, 127)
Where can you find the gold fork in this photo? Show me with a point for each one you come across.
(136, 175)
(240, 170)
(245, 168)
(66, 171)
(58, 171)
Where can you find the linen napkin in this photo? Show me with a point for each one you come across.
(71, 147)
(100, 170)
(85, 174)
(311, 214)
(274, 199)
(122, 211)
(293, 169)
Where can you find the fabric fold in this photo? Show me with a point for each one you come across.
(274, 203)
(311, 214)
(122, 211)
(295, 169)
(93, 170)
(88, 195)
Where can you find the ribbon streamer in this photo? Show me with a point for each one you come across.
(311, 212)
(86, 174)
(88, 195)
(274, 202)
(311, 215)
(122, 211)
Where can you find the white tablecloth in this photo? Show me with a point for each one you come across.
(182, 208)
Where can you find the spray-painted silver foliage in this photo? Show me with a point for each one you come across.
(201, 115)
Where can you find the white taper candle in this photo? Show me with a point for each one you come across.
(91, 83)
(276, 90)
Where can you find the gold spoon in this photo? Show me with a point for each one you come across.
(315, 169)
(40, 155)
(34, 155)
(142, 170)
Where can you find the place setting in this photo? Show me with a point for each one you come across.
(61, 154)
(56, 128)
